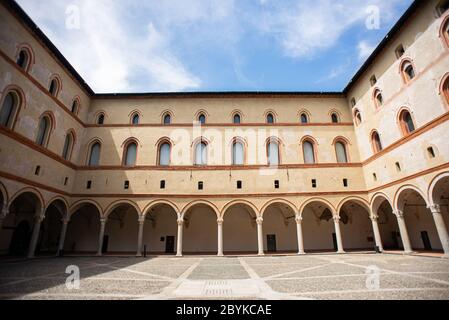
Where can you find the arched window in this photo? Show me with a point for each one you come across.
(9, 109)
(164, 154)
(130, 154)
(94, 155)
(399, 51)
(408, 71)
(100, 119)
(406, 122)
(75, 106)
(445, 31)
(273, 155)
(378, 98)
(23, 59)
(341, 152)
(135, 119)
(353, 102)
(201, 154)
(43, 131)
(376, 142)
(357, 117)
(167, 119)
(54, 87)
(334, 118)
(202, 118)
(238, 156)
(373, 80)
(304, 118)
(270, 118)
(308, 148)
(237, 119)
(68, 146)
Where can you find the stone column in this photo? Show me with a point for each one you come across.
(299, 235)
(101, 236)
(180, 235)
(35, 236)
(65, 223)
(141, 221)
(403, 230)
(220, 237)
(441, 228)
(376, 232)
(260, 236)
(338, 234)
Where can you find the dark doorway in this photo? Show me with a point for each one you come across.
(20, 239)
(394, 237)
(271, 243)
(426, 241)
(170, 244)
(334, 241)
(104, 249)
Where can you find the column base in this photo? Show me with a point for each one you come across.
(341, 252)
(445, 256)
(261, 254)
(99, 254)
(139, 255)
(301, 253)
(220, 255)
(179, 255)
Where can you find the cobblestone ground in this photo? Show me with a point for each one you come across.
(350, 276)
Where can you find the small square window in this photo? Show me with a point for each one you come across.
(373, 80)
(200, 185)
(398, 167)
(239, 184)
(126, 186)
(431, 152)
(374, 177)
(314, 183)
(37, 171)
(345, 183)
(89, 184)
(66, 181)
(162, 184)
(276, 184)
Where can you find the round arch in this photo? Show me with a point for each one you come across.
(433, 184)
(34, 191)
(58, 198)
(374, 203)
(77, 205)
(119, 203)
(321, 200)
(199, 202)
(155, 203)
(232, 203)
(364, 203)
(404, 188)
(4, 193)
(278, 200)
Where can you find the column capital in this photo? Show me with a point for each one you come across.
(298, 219)
(336, 218)
(399, 214)
(103, 220)
(65, 220)
(374, 218)
(220, 221)
(39, 218)
(259, 220)
(435, 208)
(141, 219)
(180, 222)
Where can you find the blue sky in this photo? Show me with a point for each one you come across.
(215, 45)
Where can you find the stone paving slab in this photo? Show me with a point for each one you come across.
(205, 277)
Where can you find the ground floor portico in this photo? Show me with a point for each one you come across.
(408, 217)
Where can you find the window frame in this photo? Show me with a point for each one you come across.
(19, 101)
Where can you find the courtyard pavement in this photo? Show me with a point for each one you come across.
(320, 276)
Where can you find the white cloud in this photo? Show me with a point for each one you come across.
(307, 27)
(364, 50)
(108, 53)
